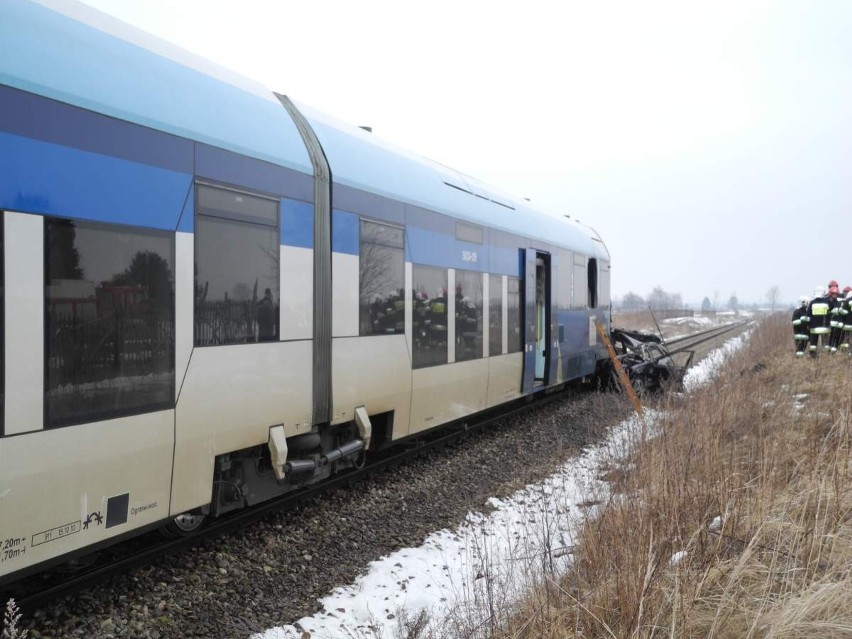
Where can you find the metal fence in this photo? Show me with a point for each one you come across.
(123, 344)
(234, 322)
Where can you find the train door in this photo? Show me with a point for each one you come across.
(537, 324)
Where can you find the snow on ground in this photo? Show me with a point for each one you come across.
(705, 370)
(698, 320)
(489, 561)
(677, 326)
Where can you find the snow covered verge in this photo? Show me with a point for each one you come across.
(703, 372)
(463, 582)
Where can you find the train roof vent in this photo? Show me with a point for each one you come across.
(481, 197)
(503, 204)
(460, 188)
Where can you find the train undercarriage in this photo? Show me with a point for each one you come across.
(257, 474)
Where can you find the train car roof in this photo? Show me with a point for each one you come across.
(71, 52)
(68, 51)
(362, 160)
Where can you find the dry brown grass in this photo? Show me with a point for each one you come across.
(776, 474)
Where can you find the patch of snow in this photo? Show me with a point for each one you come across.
(698, 320)
(799, 402)
(494, 502)
(529, 534)
(705, 370)
(677, 557)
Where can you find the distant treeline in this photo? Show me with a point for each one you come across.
(659, 300)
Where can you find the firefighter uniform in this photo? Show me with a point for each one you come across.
(819, 321)
(836, 313)
(801, 326)
(847, 323)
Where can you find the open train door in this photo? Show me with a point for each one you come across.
(537, 325)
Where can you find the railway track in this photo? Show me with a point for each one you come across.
(687, 342)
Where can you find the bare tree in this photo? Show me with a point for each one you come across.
(631, 301)
(773, 296)
(658, 299)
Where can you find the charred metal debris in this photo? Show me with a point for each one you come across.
(651, 366)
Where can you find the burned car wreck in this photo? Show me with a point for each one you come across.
(649, 364)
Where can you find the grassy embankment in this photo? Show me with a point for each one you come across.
(735, 520)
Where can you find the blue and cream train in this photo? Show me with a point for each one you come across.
(213, 295)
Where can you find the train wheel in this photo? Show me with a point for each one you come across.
(184, 524)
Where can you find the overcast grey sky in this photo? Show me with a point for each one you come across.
(706, 141)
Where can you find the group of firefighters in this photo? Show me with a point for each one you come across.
(827, 318)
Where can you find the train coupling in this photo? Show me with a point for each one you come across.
(285, 468)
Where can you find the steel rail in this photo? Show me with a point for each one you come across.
(688, 341)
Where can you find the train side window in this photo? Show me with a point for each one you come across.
(513, 300)
(593, 282)
(109, 320)
(237, 253)
(495, 314)
(604, 300)
(381, 280)
(429, 321)
(468, 315)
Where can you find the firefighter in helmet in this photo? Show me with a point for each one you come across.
(836, 310)
(819, 320)
(847, 319)
(800, 326)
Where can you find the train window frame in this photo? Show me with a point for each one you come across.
(495, 314)
(464, 350)
(592, 276)
(255, 320)
(377, 315)
(513, 291)
(427, 309)
(114, 304)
